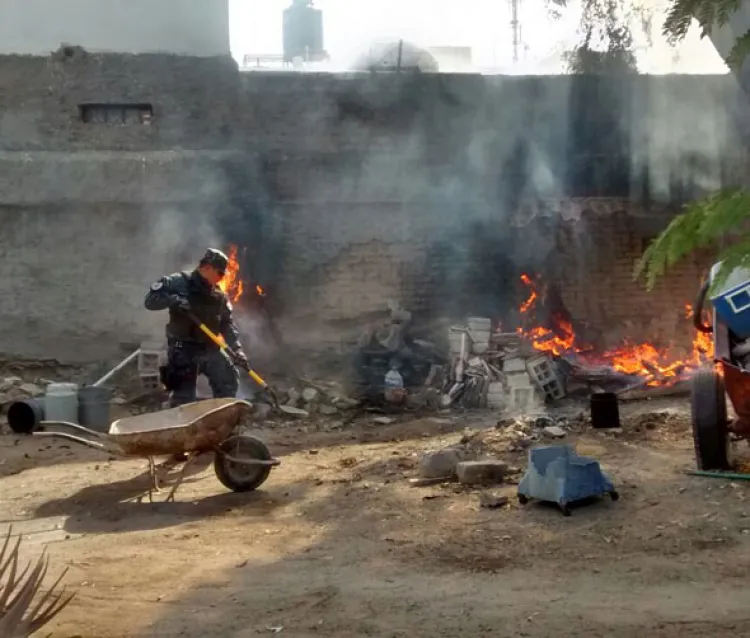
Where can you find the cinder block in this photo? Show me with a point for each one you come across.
(151, 381)
(481, 472)
(524, 399)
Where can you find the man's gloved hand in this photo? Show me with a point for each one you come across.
(179, 303)
(240, 360)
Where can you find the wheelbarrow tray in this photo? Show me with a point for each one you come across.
(195, 427)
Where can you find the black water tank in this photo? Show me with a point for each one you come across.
(303, 32)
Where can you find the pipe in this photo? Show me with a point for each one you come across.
(117, 368)
(725, 475)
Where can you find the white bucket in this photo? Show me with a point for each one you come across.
(61, 402)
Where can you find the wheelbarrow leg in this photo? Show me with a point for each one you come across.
(154, 487)
(190, 458)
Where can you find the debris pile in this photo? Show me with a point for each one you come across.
(16, 389)
(498, 370)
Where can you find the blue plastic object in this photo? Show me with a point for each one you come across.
(558, 475)
(732, 303)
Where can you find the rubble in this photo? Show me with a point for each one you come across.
(554, 432)
(498, 371)
(16, 389)
(492, 501)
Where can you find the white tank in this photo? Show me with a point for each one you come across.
(61, 402)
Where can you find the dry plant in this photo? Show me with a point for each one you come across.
(19, 616)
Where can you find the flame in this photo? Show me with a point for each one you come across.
(231, 284)
(657, 366)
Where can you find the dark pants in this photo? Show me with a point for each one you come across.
(186, 361)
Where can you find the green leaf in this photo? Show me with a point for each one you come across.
(703, 223)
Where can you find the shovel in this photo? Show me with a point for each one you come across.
(236, 361)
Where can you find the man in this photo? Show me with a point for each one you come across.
(189, 351)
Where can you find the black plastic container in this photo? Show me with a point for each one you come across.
(605, 410)
(25, 416)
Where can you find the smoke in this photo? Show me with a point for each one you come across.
(415, 187)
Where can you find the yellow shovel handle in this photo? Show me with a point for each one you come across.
(221, 343)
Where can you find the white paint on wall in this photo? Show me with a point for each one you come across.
(184, 27)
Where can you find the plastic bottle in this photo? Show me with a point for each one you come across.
(394, 385)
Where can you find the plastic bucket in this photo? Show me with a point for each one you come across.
(25, 416)
(605, 410)
(94, 407)
(61, 402)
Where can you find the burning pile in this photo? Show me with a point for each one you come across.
(520, 369)
(652, 365)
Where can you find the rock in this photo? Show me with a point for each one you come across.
(383, 420)
(426, 482)
(492, 501)
(261, 411)
(344, 403)
(310, 394)
(441, 463)
(31, 389)
(327, 410)
(294, 397)
(9, 382)
(481, 472)
(416, 401)
(554, 432)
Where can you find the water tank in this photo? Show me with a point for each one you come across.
(303, 32)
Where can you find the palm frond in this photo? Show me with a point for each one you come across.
(739, 51)
(702, 224)
(18, 619)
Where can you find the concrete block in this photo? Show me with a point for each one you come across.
(481, 472)
(524, 399)
(151, 381)
(515, 364)
(441, 463)
(518, 380)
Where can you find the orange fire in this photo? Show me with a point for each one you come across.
(231, 284)
(657, 366)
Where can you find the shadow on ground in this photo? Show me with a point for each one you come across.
(394, 562)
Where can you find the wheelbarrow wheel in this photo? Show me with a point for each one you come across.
(709, 416)
(236, 476)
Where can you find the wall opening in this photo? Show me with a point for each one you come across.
(116, 114)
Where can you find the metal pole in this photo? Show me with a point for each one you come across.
(117, 368)
(516, 28)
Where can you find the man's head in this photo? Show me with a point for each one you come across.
(213, 265)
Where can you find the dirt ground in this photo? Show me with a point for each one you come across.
(338, 544)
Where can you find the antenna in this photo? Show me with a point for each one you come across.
(516, 27)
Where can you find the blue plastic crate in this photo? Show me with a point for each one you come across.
(732, 304)
(556, 474)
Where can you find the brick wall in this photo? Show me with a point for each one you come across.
(348, 191)
(597, 258)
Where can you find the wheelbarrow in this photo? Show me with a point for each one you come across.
(729, 376)
(242, 463)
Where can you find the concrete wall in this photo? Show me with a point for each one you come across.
(346, 190)
(185, 27)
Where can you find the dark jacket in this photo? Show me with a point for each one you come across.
(208, 303)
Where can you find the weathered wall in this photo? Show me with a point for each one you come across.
(37, 27)
(348, 191)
